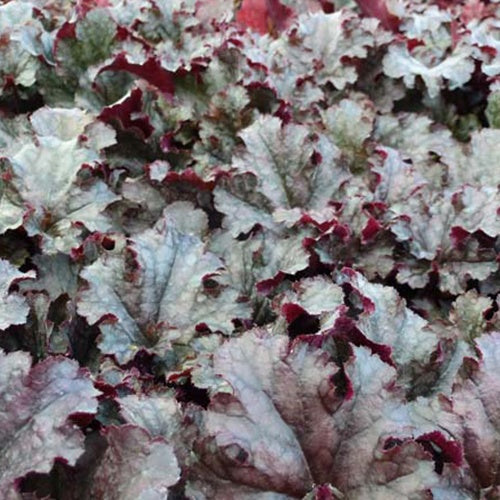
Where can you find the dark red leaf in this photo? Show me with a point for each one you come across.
(123, 112)
(264, 16)
(151, 71)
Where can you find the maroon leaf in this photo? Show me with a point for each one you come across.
(151, 71)
(265, 16)
(125, 113)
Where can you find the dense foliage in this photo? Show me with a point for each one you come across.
(249, 251)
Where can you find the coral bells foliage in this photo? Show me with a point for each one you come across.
(249, 250)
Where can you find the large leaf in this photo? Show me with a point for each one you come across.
(430, 225)
(387, 321)
(261, 260)
(477, 400)
(436, 156)
(338, 120)
(293, 420)
(135, 466)
(279, 155)
(45, 175)
(151, 292)
(35, 406)
(19, 63)
(159, 414)
(457, 68)
(279, 177)
(329, 42)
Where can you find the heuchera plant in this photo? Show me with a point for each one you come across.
(249, 250)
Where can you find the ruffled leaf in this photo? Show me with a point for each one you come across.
(151, 292)
(13, 306)
(36, 404)
(135, 466)
(293, 420)
(476, 399)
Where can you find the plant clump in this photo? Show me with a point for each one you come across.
(249, 250)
